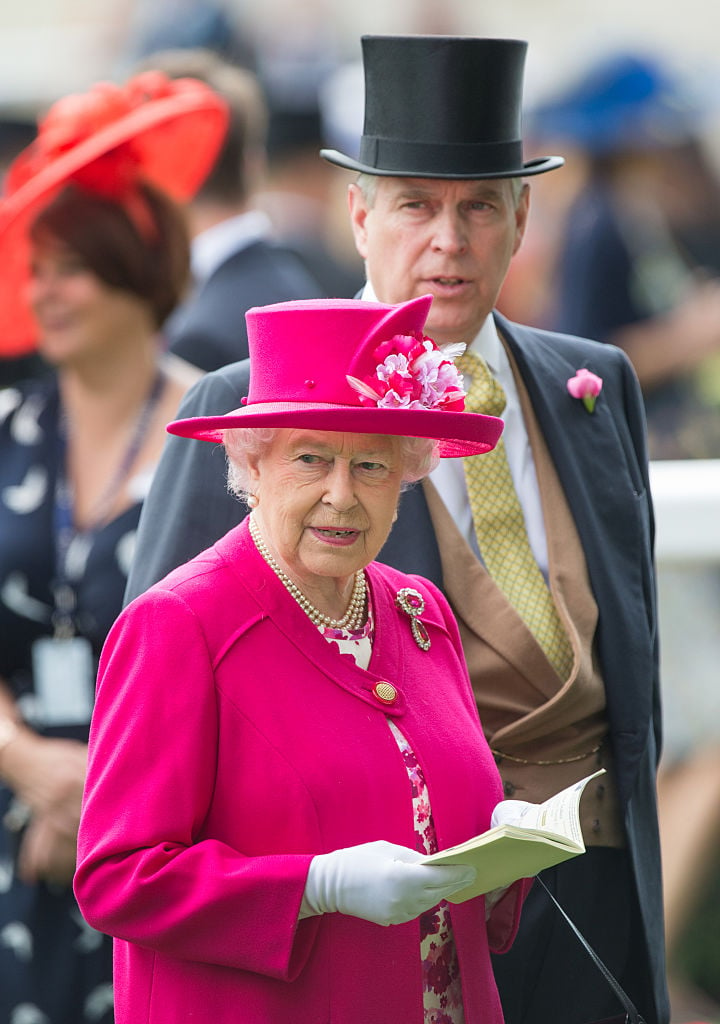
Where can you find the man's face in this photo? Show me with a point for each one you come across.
(453, 239)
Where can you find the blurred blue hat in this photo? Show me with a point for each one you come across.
(623, 102)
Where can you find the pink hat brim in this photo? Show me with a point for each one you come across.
(458, 433)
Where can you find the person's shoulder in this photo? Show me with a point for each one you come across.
(24, 403)
(264, 264)
(192, 583)
(210, 329)
(284, 272)
(207, 591)
(218, 391)
(43, 385)
(529, 339)
(547, 357)
(233, 274)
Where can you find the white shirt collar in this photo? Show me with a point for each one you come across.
(216, 244)
(486, 342)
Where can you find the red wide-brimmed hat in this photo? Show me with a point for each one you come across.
(166, 132)
(354, 367)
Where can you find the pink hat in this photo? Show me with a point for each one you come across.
(352, 366)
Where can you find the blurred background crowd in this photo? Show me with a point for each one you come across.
(623, 246)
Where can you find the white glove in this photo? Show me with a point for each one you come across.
(513, 812)
(508, 812)
(379, 882)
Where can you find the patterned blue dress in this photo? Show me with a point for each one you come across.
(54, 969)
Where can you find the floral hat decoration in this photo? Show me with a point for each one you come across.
(165, 132)
(352, 366)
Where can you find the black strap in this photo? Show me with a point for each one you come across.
(631, 1012)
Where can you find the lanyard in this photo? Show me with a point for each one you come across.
(67, 537)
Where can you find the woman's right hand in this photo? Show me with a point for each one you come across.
(379, 882)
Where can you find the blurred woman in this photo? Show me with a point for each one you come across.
(98, 256)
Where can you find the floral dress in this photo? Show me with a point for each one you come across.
(442, 991)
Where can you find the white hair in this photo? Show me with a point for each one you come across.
(419, 456)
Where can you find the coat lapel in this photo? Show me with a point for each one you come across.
(602, 473)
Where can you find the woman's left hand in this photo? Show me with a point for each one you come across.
(48, 775)
(47, 853)
(492, 899)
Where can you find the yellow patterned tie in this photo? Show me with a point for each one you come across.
(500, 525)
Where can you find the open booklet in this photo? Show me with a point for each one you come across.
(544, 835)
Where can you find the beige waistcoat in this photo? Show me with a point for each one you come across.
(545, 733)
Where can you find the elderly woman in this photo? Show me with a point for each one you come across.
(284, 726)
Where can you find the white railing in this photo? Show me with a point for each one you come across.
(687, 510)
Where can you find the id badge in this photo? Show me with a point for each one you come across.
(64, 676)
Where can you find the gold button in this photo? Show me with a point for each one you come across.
(385, 693)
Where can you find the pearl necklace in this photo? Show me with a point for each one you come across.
(353, 618)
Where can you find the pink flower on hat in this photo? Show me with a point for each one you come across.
(413, 372)
(585, 386)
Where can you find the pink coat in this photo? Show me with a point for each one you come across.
(230, 743)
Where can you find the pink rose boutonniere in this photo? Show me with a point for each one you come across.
(412, 372)
(585, 386)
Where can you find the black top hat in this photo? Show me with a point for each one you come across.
(443, 107)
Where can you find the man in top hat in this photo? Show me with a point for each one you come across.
(562, 651)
